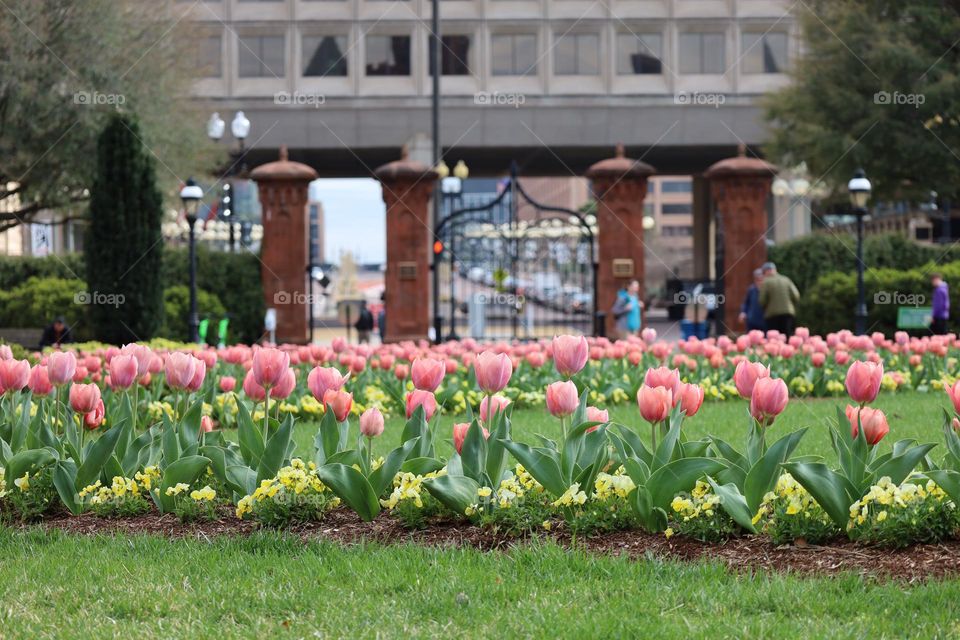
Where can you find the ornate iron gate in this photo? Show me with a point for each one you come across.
(513, 268)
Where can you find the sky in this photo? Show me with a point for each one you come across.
(355, 218)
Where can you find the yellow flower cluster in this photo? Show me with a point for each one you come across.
(120, 488)
(527, 481)
(618, 396)
(311, 406)
(835, 387)
(797, 499)
(801, 386)
(3, 482)
(885, 497)
(299, 478)
(571, 497)
(408, 486)
(156, 409)
(207, 494)
(178, 489)
(618, 484)
(702, 501)
(227, 403)
(23, 483)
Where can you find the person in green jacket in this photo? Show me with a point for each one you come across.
(778, 297)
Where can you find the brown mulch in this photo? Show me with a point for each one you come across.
(746, 555)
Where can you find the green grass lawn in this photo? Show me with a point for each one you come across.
(56, 585)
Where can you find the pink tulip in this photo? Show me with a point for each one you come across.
(649, 335)
(180, 369)
(371, 422)
(6, 353)
(460, 434)
(142, 354)
(340, 402)
(562, 398)
(123, 371)
(199, 373)
(570, 354)
(491, 405)
(421, 398)
(663, 377)
(269, 366)
(597, 415)
(691, 397)
(227, 383)
(322, 379)
(206, 424)
(874, 422)
(745, 376)
(84, 397)
(427, 373)
(401, 371)
(841, 357)
(863, 381)
(655, 403)
(253, 390)
(286, 386)
(768, 400)
(80, 374)
(817, 359)
(493, 371)
(61, 366)
(39, 382)
(14, 374)
(94, 418)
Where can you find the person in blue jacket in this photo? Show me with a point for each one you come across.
(751, 313)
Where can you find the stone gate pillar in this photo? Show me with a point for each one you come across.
(282, 187)
(620, 186)
(739, 188)
(407, 187)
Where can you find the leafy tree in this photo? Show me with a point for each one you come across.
(124, 245)
(64, 68)
(876, 87)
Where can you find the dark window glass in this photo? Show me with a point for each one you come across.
(261, 56)
(388, 55)
(324, 56)
(639, 53)
(454, 55)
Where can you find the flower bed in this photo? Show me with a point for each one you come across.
(146, 435)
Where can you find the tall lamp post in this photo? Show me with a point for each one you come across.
(240, 129)
(452, 188)
(443, 171)
(190, 195)
(859, 188)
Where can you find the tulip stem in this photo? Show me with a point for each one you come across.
(369, 449)
(653, 436)
(133, 417)
(266, 413)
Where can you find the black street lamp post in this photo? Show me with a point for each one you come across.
(190, 195)
(859, 188)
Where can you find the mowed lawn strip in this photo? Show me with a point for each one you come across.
(56, 585)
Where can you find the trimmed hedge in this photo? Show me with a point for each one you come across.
(232, 278)
(829, 304)
(807, 259)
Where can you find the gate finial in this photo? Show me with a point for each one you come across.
(620, 151)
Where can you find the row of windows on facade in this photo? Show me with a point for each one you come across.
(513, 54)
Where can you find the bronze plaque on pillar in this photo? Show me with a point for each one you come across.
(407, 270)
(622, 268)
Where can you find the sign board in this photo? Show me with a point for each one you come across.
(914, 317)
(407, 270)
(622, 268)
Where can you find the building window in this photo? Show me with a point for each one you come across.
(514, 54)
(639, 53)
(454, 55)
(676, 186)
(764, 52)
(324, 56)
(261, 56)
(674, 209)
(577, 54)
(702, 53)
(675, 231)
(388, 55)
(209, 57)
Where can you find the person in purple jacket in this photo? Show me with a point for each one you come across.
(941, 304)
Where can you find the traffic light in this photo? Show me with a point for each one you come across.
(437, 247)
(226, 201)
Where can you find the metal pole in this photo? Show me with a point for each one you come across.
(452, 335)
(435, 135)
(514, 247)
(860, 317)
(194, 319)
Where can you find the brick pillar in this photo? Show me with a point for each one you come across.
(620, 186)
(739, 188)
(282, 187)
(407, 187)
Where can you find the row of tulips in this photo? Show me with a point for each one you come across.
(42, 439)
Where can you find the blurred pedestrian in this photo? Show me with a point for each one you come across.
(627, 310)
(778, 297)
(941, 304)
(751, 312)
